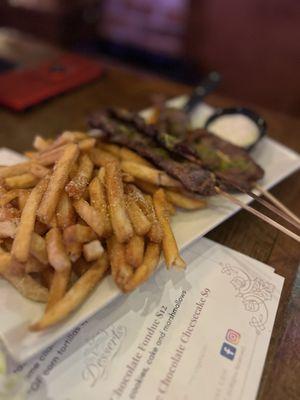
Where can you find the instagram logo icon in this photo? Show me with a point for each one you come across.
(233, 336)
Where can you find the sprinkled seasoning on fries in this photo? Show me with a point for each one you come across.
(79, 210)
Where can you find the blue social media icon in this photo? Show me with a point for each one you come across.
(228, 351)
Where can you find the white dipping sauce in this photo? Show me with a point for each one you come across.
(235, 128)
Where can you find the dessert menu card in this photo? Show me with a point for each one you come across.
(184, 335)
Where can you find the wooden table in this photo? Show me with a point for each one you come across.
(121, 86)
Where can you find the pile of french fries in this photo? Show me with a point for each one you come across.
(78, 210)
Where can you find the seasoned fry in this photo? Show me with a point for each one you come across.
(67, 137)
(146, 187)
(8, 197)
(180, 198)
(134, 251)
(59, 286)
(23, 181)
(185, 201)
(115, 195)
(65, 213)
(86, 144)
(39, 170)
(129, 155)
(76, 187)
(47, 276)
(21, 244)
(5, 260)
(145, 203)
(17, 169)
(139, 221)
(25, 284)
(50, 156)
(8, 229)
(90, 215)
(170, 248)
(121, 271)
(101, 157)
(75, 296)
(146, 269)
(92, 250)
(57, 255)
(114, 149)
(99, 202)
(33, 265)
(38, 248)
(41, 144)
(23, 195)
(57, 182)
(9, 213)
(149, 174)
(79, 233)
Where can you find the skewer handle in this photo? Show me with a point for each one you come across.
(277, 203)
(259, 215)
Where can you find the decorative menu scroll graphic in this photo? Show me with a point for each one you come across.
(254, 293)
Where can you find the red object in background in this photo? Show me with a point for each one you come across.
(20, 89)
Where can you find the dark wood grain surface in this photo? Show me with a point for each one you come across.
(121, 86)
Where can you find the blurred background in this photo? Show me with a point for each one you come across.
(254, 44)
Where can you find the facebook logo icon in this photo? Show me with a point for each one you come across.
(228, 351)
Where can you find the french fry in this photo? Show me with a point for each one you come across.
(90, 215)
(8, 197)
(149, 174)
(115, 195)
(50, 156)
(134, 251)
(86, 144)
(74, 250)
(59, 286)
(170, 248)
(75, 296)
(65, 213)
(129, 155)
(121, 271)
(145, 203)
(33, 265)
(114, 149)
(146, 269)
(67, 137)
(9, 213)
(5, 260)
(185, 201)
(41, 144)
(8, 229)
(101, 157)
(17, 169)
(76, 187)
(57, 255)
(78, 233)
(46, 276)
(25, 284)
(57, 183)
(99, 202)
(146, 187)
(21, 244)
(23, 181)
(38, 248)
(139, 221)
(23, 195)
(92, 250)
(38, 170)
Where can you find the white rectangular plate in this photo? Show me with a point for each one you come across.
(16, 313)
